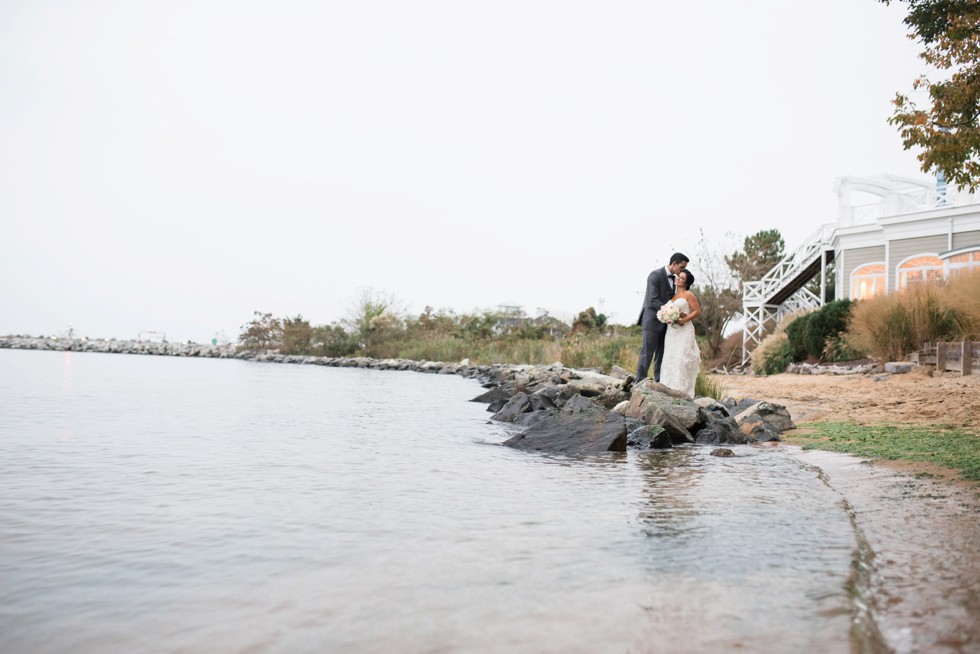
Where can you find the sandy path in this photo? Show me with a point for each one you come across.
(913, 398)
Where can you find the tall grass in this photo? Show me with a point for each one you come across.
(579, 351)
(963, 295)
(890, 327)
(774, 354)
(707, 387)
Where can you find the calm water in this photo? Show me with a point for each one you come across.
(181, 505)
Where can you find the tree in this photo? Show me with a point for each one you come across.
(716, 287)
(333, 341)
(948, 131)
(589, 321)
(759, 254)
(297, 335)
(371, 313)
(263, 332)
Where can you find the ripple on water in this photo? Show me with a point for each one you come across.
(232, 506)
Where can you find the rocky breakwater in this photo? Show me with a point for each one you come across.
(560, 410)
(119, 346)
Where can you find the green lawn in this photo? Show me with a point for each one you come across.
(940, 445)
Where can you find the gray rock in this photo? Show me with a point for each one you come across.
(720, 430)
(899, 367)
(722, 451)
(649, 399)
(515, 406)
(649, 437)
(775, 415)
(619, 373)
(621, 407)
(580, 427)
(713, 407)
(764, 422)
(493, 395)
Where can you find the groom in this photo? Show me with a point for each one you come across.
(660, 288)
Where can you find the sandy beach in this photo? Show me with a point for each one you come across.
(921, 523)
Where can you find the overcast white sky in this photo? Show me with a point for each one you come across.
(177, 165)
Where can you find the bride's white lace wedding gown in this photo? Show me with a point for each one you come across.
(682, 356)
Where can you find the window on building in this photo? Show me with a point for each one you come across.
(963, 263)
(868, 281)
(923, 269)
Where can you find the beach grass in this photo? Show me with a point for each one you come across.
(939, 445)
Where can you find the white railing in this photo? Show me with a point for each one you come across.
(899, 203)
(803, 300)
(788, 267)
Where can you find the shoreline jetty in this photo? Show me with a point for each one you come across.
(547, 408)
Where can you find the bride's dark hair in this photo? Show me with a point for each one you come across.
(690, 278)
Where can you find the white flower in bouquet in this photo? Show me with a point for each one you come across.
(669, 313)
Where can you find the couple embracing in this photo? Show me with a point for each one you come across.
(669, 306)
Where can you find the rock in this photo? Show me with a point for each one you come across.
(621, 407)
(722, 451)
(649, 437)
(899, 367)
(545, 398)
(515, 406)
(494, 407)
(548, 394)
(720, 430)
(736, 407)
(713, 407)
(648, 398)
(619, 373)
(757, 431)
(774, 415)
(580, 427)
(882, 377)
(764, 422)
(493, 395)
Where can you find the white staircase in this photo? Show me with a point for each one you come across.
(781, 290)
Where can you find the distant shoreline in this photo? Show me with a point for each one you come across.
(231, 351)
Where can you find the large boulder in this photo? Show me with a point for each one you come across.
(764, 422)
(515, 406)
(720, 430)
(649, 437)
(495, 394)
(649, 399)
(580, 427)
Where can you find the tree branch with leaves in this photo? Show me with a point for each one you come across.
(948, 131)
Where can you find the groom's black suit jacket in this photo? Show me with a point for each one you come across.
(658, 293)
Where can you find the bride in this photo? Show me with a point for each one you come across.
(682, 357)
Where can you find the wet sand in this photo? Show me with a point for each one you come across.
(921, 523)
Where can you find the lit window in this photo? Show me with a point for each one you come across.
(923, 269)
(868, 281)
(963, 263)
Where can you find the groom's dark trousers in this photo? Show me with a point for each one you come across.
(653, 342)
(658, 292)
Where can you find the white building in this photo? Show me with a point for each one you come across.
(891, 232)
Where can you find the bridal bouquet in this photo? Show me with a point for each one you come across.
(669, 313)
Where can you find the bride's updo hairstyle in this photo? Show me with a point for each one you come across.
(690, 278)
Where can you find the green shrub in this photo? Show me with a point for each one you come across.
(811, 334)
(796, 336)
(773, 354)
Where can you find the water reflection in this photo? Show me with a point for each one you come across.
(669, 505)
(227, 506)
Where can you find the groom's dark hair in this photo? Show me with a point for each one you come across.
(677, 257)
